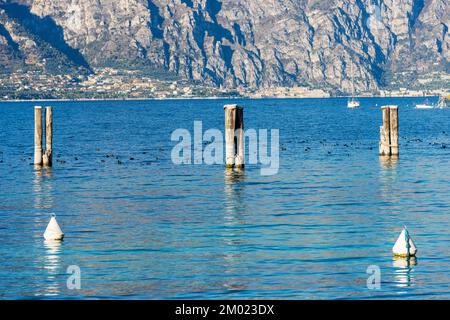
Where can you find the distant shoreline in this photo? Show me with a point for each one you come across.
(208, 98)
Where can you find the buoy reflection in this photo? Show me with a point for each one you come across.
(404, 271)
(52, 266)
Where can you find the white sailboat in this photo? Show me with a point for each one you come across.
(352, 103)
(425, 105)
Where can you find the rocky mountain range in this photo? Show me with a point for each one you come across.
(235, 43)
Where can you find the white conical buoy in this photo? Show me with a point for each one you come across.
(53, 231)
(404, 247)
(404, 263)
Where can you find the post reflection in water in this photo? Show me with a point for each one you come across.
(404, 271)
(42, 188)
(234, 188)
(388, 177)
(389, 162)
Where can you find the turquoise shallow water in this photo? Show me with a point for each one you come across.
(144, 228)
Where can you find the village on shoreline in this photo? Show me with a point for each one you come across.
(113, 84)
(393, 94)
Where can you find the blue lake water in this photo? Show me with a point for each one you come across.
(140, 227)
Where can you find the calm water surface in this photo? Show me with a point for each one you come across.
(140, 227)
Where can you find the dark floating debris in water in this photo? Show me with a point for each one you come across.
(438, 144)
(119, 162)
(61, 161)
(131, 158)
(415, 140)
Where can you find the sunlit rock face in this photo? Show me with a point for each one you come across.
(258, 43)
(34, 43)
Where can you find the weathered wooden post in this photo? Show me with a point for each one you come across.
(47, 157)
(389, 132)
(230, 114)
(385, 149)
(393, 116)
(38, 135)
(239, 136)
(234, 136)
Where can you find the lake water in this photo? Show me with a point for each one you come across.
(140, 227)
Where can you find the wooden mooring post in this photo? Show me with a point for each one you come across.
(38, 135)
(389, 132)
(234, 136)
(47, 156)
(393, 116)
(41, 158)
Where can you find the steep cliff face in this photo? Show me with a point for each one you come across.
(34, 43)
(258, 43)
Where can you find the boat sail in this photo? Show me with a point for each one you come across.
(442, 102)
(352, 103)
